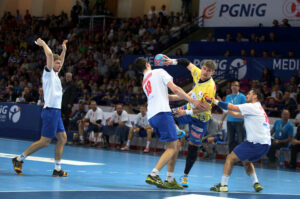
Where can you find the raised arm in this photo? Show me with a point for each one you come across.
(63, 52)
(183, 62)
(48, 53)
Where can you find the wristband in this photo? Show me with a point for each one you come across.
(223, 105)
(174, 62)
(216, 102)
(189, 111)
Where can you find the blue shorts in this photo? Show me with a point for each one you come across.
(251, 152)
(143, 132)
(164, 126)
(51, 122)
(197, 128)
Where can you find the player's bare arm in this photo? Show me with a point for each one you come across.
(48, 53)
(63, 52)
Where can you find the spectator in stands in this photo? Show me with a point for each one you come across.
(274, 54)
(272, 37)
(75, 12)
(164, 10)
(91, 123)
(131, 72)
(266, 92)
(76, 119)
(235, 126)
(41, 100)
(267, 77)
(179, 52)
(152, 12)
(210, 37)
(271, 107)
(243, 53)
(141, 127)
(253, 53)
(253, 38)
(275, 23)
(289, 103)
(68, 98)
(297, 118)
(118, 125)
(262, 38)
(285, 23)
(227, 53)
(27, 16)
(239, 37)
(291, 54)
(282, 133)
(265, 54)
(9, 95)
(295, 149)
(298, 94)
(228, 37)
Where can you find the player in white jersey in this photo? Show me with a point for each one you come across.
(91, 123)
(155, 85)
(258, 138)
(52, 125)
(141, 127)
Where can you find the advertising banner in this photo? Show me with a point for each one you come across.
(232, 13)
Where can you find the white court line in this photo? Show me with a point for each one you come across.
(51, 160)
(158, 190)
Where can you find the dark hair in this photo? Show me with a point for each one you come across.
(140, 64)
(258, 94)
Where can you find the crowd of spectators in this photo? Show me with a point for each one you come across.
(94, 60)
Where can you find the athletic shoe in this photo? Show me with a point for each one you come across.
(155, 180)
(146, 150)
(17, 166)
(125, 148)
(257, 187)
(219, 188)
(60, 173)
(184, 181)
(170, 185)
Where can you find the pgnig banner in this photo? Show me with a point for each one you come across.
(20, 120)
(228, 13)
(232, 68)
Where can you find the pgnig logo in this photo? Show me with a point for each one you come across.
(240, 66)
(291, 8)
(14, 113)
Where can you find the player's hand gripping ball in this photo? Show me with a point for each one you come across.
(159, 60)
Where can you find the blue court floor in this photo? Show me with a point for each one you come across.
(97, 173)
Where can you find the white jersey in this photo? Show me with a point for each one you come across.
(155, 85)
(93, 116)
(256, 123)
(52, 89)
(141, 120)
(124, 117)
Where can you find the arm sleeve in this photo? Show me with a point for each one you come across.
(166, 78)
(196, 73)
(291, 131)
(246, 109)
(124, 117)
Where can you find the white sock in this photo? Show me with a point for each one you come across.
(128, 143)
(224, 180)
(154, 172)
(170, 176)
(81, 138)
(253, 177)
(57, 165)
(148, 144)
(21, 157)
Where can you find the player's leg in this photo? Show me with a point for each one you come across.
(149, 132)
(49, 126)
(130, 135)
(250, 170)
(61, 141)
(229, 163)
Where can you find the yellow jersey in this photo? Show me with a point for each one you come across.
(204, 91)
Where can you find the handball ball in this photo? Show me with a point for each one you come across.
(158, 60)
